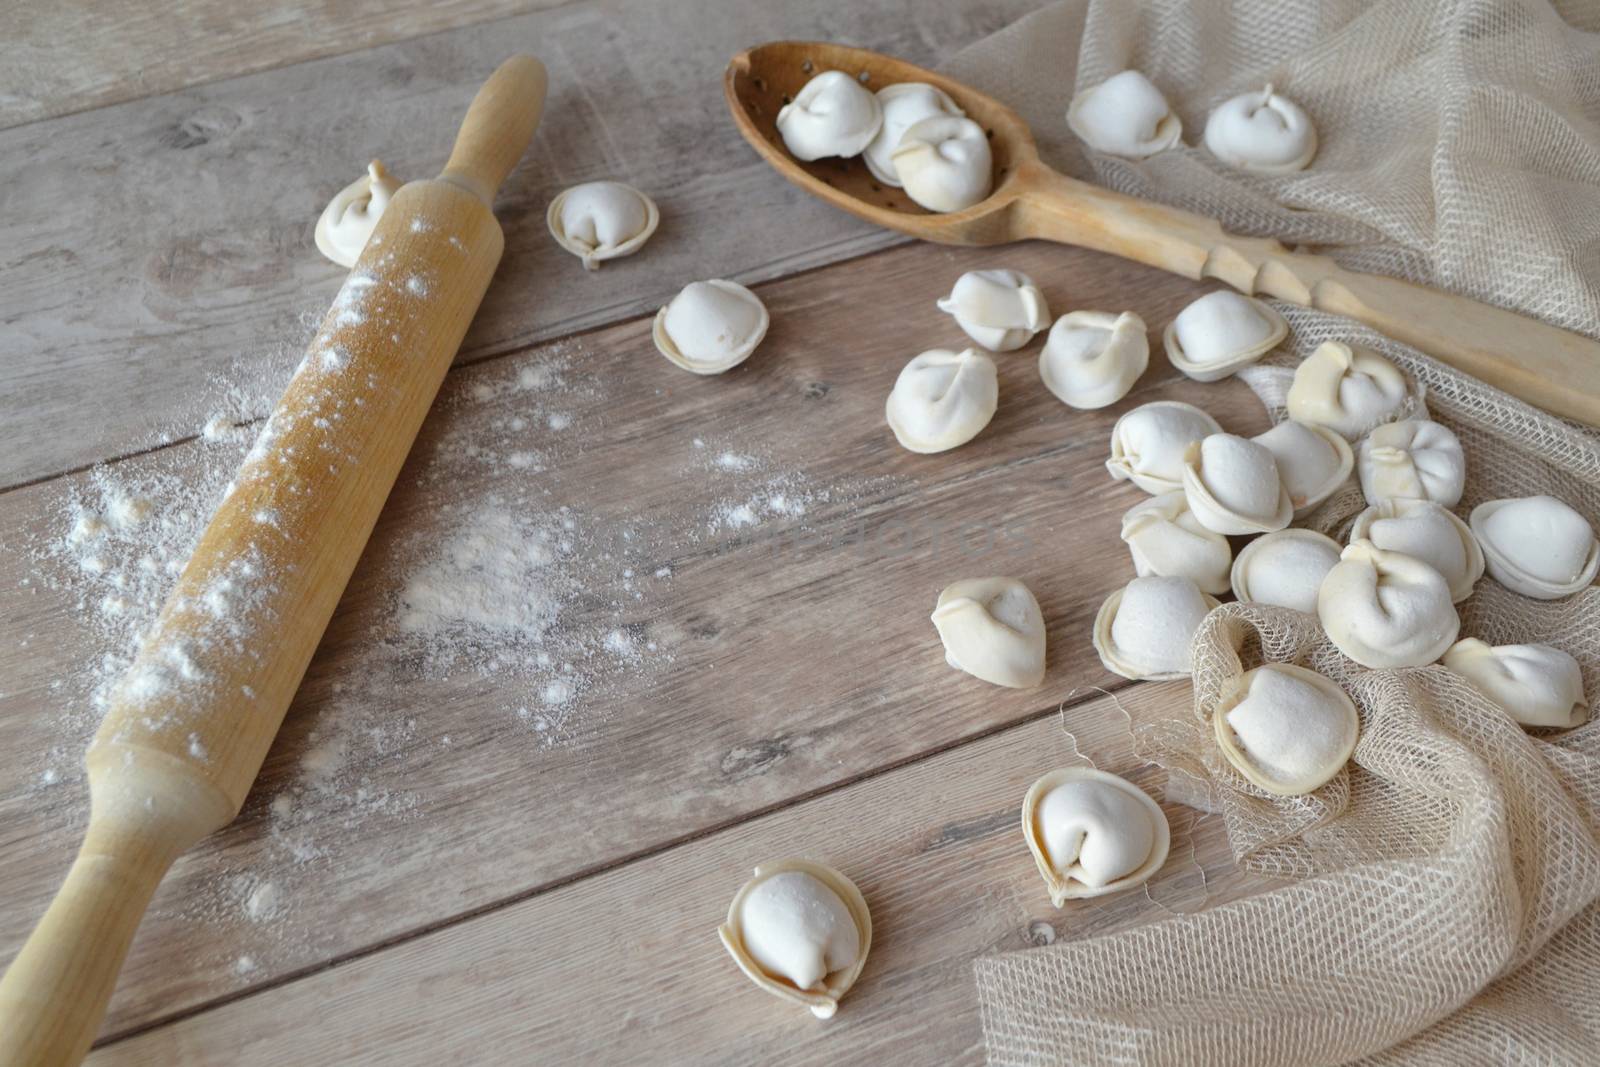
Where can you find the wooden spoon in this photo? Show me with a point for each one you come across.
(1544, 365)
(187, 730)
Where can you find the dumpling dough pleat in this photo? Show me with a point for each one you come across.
(1092, 358)
(1537, 546)
(1233, 486)
(1092, 833)
(992, 629)
(1285, 568)
(1425, 531)
(1143, 631)
(1414, 458)
(999, 309)
(943, 399)
(1536, 685)
(1285, 728)
(1165, 538)
(1312, 461)
(1383, 609)
(1349, 390)
(1149, 442)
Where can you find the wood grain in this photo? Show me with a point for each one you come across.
(154, 247)
(790, 656)
(69, 57)
(625, 967)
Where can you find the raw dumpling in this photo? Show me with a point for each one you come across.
(1233, 486)
(1092, 358)
(999, 309)
(832, 115)
(1093, 833)
(1414, 458)
(710, 326)
(597, 221)
(1148, 443)
(1263, 132)
(1221, 332)
(1312, 461)
(1125, 115)
(1165, 539)
(1536, 685)
(1537, 546)
(352, 215)
(904, 105)
(1349, 390)
(944, 163)
(1285, 728)
(1143, 630)
(943, 399)
(1426, 531)
(992, 629)
(1384, 609)
(801, 931)
(1285, 568)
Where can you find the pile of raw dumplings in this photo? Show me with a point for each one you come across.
(911, 135)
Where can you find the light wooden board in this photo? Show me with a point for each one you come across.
(626, 967)
(69, 57)
(780, 668)
(154, 247)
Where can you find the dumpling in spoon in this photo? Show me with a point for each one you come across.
(992, 629)
(1287, 729)
(1383, 609)
(1349, 390)
(943, 399)
(351, 216)
(1264, 132)
(999, 309)
(1092, 358)
(1536, 685)
(1093, 833)
(1415, 458)
(904, 105)
(831, 115)
(945, 163)
(1149, 442)
(1125, 115)
(1537, 546)
(597, 221)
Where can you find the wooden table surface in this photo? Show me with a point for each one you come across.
(461, 867)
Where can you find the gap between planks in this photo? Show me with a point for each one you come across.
(1084, 695)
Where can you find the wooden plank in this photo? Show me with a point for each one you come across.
(762, 654)
(153, 248)
(68, 57)
(625, 967)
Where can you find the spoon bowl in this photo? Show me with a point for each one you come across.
(1550, 367)
(760, 82)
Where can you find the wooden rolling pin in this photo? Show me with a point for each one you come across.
(192, 720)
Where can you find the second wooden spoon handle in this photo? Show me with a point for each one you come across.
(1549, 367)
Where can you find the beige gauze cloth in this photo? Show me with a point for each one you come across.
(1444, 908)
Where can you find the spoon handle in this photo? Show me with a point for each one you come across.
(1547, 366)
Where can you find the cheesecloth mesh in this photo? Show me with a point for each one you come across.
(1445, 904)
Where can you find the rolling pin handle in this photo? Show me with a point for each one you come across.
(498, 128)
